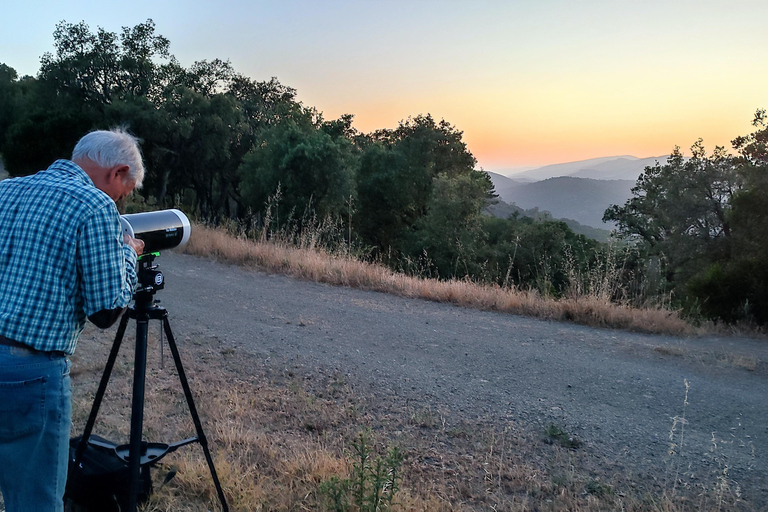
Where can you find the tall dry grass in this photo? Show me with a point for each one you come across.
(313, 263)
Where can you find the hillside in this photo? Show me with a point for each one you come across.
(421, 369)
(578, 191)
(503, 210)
(504, 184)
(581, 199)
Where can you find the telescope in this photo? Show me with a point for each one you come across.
(160, 230)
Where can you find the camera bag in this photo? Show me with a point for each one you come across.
(100, 482)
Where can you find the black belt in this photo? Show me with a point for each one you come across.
(8, 342)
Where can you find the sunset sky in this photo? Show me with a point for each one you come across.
(529, 83)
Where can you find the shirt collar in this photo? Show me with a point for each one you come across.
(71, 168)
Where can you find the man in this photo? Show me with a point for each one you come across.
(62, 258)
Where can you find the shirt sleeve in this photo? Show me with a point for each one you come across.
(107, 266)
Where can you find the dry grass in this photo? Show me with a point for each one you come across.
(317, 265)
(739, 361)
(669, 351)
(277, 432)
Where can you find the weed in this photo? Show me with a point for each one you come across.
(596, 488)
(426, 418)
(374, 481)
(677, 436)
(746, 362)
(336, 491)
(563, 438)
(277, 439)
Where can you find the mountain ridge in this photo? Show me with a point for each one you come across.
(580, 190)
(566, 197)
(622, 167)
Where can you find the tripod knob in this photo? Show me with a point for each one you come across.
(151, 279)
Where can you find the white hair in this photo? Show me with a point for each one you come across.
(108, 148)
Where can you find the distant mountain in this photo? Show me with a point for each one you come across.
(606, 168)
(581, 199)
(566, 169)
(516, 171)
(580, 191)
(624, 168)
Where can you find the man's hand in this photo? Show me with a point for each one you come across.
(138, 245)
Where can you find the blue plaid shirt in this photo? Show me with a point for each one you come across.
(62, 257)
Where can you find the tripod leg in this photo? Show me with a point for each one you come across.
(193, 411)
(102, 388)
(137, 409)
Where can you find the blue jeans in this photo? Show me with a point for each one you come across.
(35, 415)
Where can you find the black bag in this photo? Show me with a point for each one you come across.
(101, 480)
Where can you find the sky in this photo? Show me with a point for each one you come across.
(529, 83)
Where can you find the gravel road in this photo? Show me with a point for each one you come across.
(617, 391)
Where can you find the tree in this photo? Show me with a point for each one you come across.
(541, 254)
(681, 210)
(101, 67)
(313, 170)
(397, 174)
(9, 92)
(706, 216)
(736, 287)
(451, 234)
(76, 88)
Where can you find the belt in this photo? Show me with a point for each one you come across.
(8, 342)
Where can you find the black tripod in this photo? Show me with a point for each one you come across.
(140, 453)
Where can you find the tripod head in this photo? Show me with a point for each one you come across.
(150, 280)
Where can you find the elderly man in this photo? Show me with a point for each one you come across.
(63, 258)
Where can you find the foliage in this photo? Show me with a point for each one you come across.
(706, 217)
(450, 232)
(397, 176)
(99, 68)
(528, 253)
(562, 437)
(374, 481)
(736, 287)
(8, 100)
(313, 168)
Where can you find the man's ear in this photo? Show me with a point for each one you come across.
(119, 172)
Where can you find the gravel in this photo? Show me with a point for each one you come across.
(621, 393)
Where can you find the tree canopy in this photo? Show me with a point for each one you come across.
(706, 217)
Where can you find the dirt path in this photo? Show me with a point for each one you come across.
(619, 392)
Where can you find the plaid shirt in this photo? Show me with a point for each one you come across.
(62, 257)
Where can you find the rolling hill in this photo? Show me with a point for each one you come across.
(578, 191)
(566, 197)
